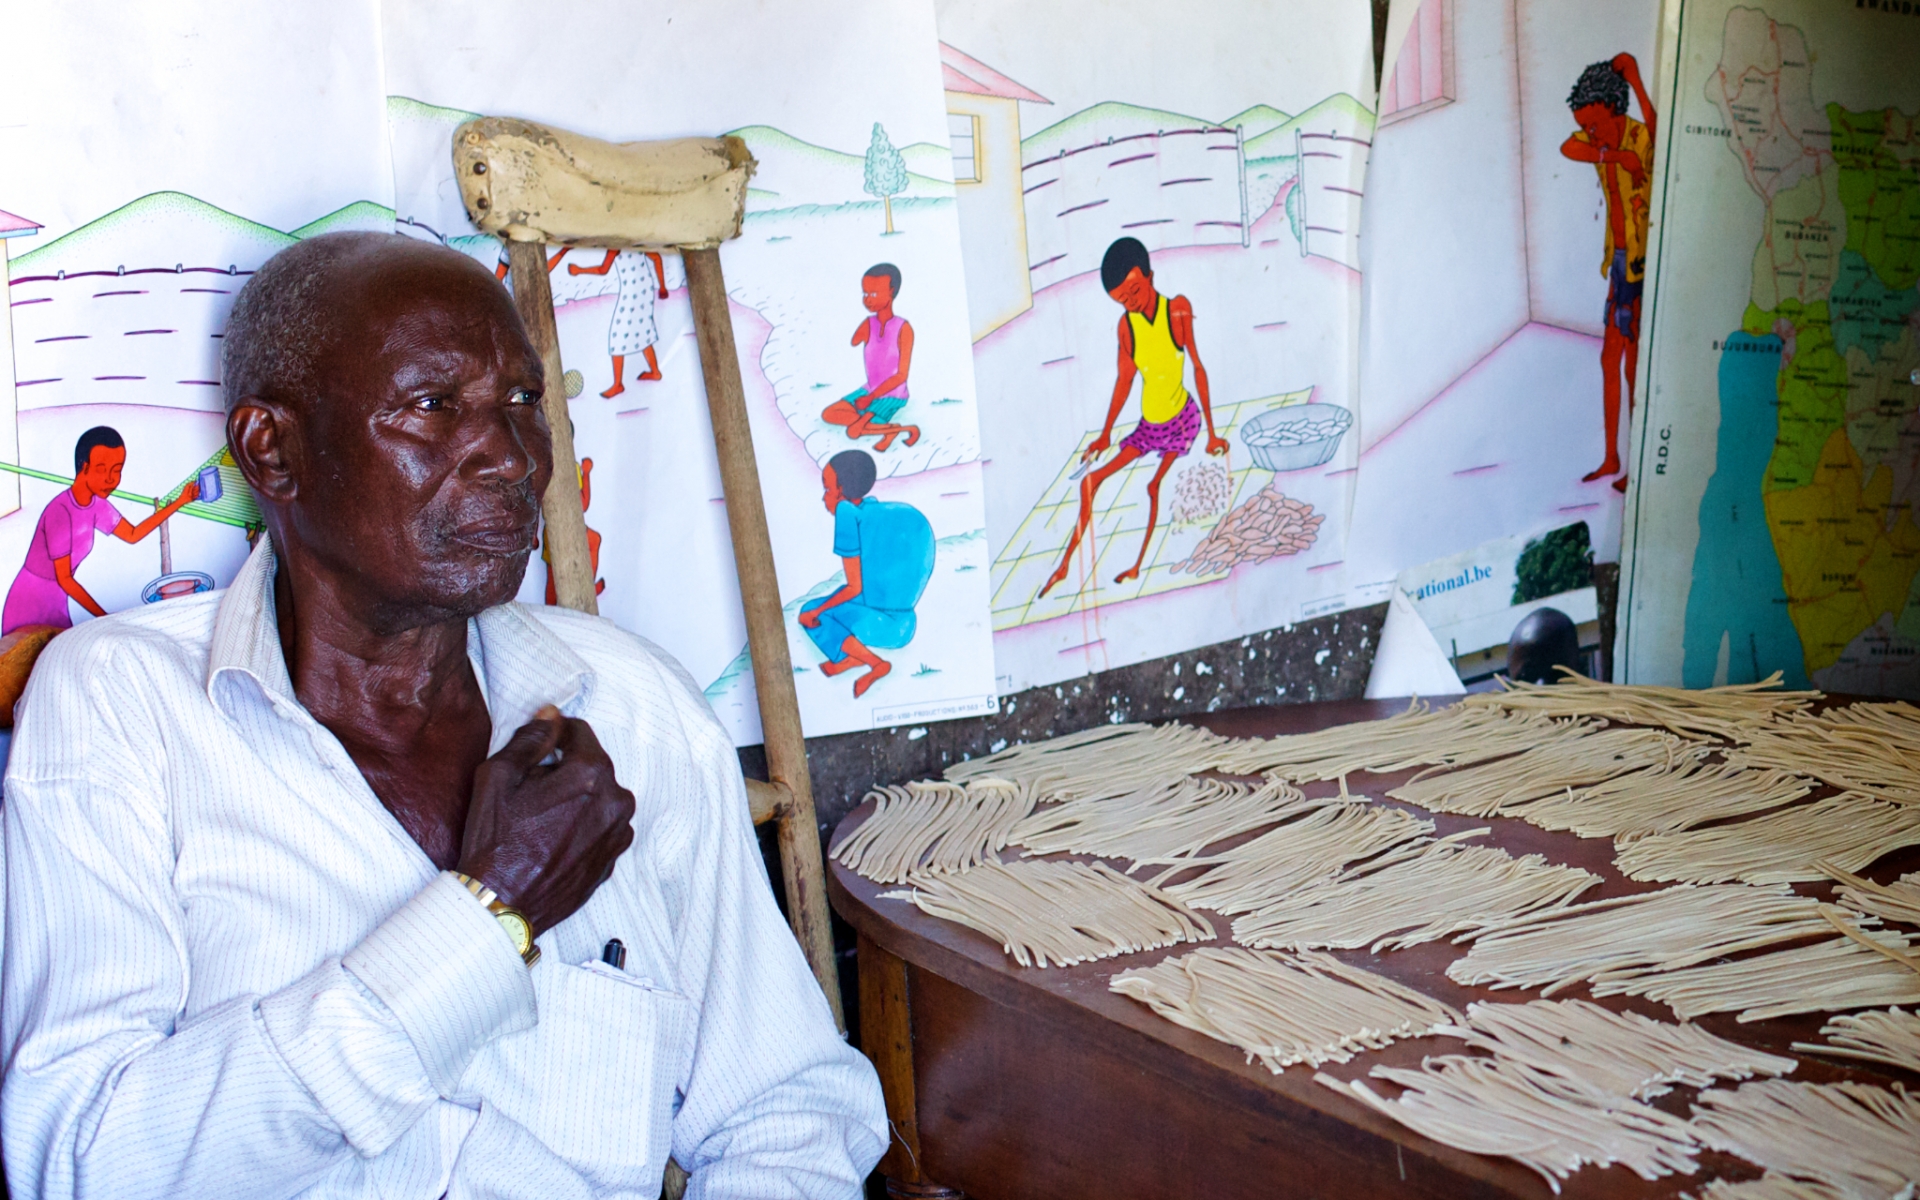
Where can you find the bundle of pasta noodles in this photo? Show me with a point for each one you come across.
(1416, 893)
(1108, 760)
(1570, 760)
(1872, 748)
(1547, 1123)
(1058, 912)
(1629, 936)
(1847, 831)
(1896, 901)
(1172, 818)
(1662, 799)
(1283, 1008)
(1453, 736)
(1623, 1054)
(1891, 1036)
(1858, 1139)
(1728, 713)
(936, 827)
(1262, 871)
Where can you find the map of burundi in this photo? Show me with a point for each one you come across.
(1798, 461)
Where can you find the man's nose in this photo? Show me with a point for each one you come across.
(500, 451)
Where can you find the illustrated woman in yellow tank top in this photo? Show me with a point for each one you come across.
(1156, 339)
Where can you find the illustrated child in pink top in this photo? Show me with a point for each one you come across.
(64, 537)
(889, 354)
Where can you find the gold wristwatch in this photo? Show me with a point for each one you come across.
(511, 919)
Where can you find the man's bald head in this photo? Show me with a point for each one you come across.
(383, 402)
(289, 315)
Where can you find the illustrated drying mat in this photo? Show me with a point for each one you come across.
(1421, 968)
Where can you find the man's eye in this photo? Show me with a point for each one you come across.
(430, 404)
(524, 396)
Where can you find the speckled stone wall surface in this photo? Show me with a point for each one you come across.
(1324, 659)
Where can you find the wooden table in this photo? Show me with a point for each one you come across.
(1006, 1082)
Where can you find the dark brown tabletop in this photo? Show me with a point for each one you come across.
(1040, 1082)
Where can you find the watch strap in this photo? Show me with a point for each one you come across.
(498, 907)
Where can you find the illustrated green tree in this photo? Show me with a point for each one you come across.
(886, 171)
(1556, 562)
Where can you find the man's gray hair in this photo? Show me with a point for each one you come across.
(282, 321)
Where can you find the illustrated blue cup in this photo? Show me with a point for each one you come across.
(209, 484)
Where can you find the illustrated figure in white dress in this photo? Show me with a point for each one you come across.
(642, 277)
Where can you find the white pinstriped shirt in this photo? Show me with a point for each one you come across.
(230, 973)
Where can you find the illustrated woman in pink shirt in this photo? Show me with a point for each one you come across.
(64, 537)
(889, 354)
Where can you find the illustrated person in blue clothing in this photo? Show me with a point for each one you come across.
(888, 552)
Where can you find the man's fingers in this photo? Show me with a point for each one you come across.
(532, 742)
(576, 739)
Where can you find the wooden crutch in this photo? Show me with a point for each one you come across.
(536, 186)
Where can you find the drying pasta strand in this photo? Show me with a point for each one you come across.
(1544, 1122)
(1839, 973)
(1283, 1008)
(1768, 1187)
(1264, 870)
(1108, 760)
(1168, 819)
(1728, 713)
(1856, 1138)
(1623, 1054)
(1416, 893)
(1891, 1037)
(1058, 913)
(1897, 901)
(937, 827)
(1453, 736)
(1662, 799)
(1550, 767)
(1628, 936)
(1871, 748)
(1848, 831)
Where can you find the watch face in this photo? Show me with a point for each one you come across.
(517, 929)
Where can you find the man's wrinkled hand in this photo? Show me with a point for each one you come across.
(547, 820)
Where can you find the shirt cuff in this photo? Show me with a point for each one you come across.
(449, 974)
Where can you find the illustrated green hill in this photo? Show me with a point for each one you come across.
(1111, 118)
(1259, 119)
(192, 231)
(1337, 113)
(361, 214)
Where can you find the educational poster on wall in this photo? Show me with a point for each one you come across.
(1504, 245)
(128, 222)
(850, 311)
(1161, 217)
(1778, 464)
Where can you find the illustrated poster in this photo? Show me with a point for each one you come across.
(1161, 216)
(1505, 265)
(156, 155)
(848, 308)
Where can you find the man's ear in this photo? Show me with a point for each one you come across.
(265, 446)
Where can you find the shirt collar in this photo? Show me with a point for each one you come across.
(520, 663)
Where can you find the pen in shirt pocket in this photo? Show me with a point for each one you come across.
(615, 954)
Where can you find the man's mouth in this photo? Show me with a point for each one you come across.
(500, 535)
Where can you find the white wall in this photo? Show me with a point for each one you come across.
(1565, 210)
(1442, 239)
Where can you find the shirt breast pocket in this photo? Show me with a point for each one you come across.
(594, 1081)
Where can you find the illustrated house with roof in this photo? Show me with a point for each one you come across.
(983, 126)
(11, 227)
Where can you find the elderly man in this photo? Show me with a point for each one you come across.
(309, 883)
